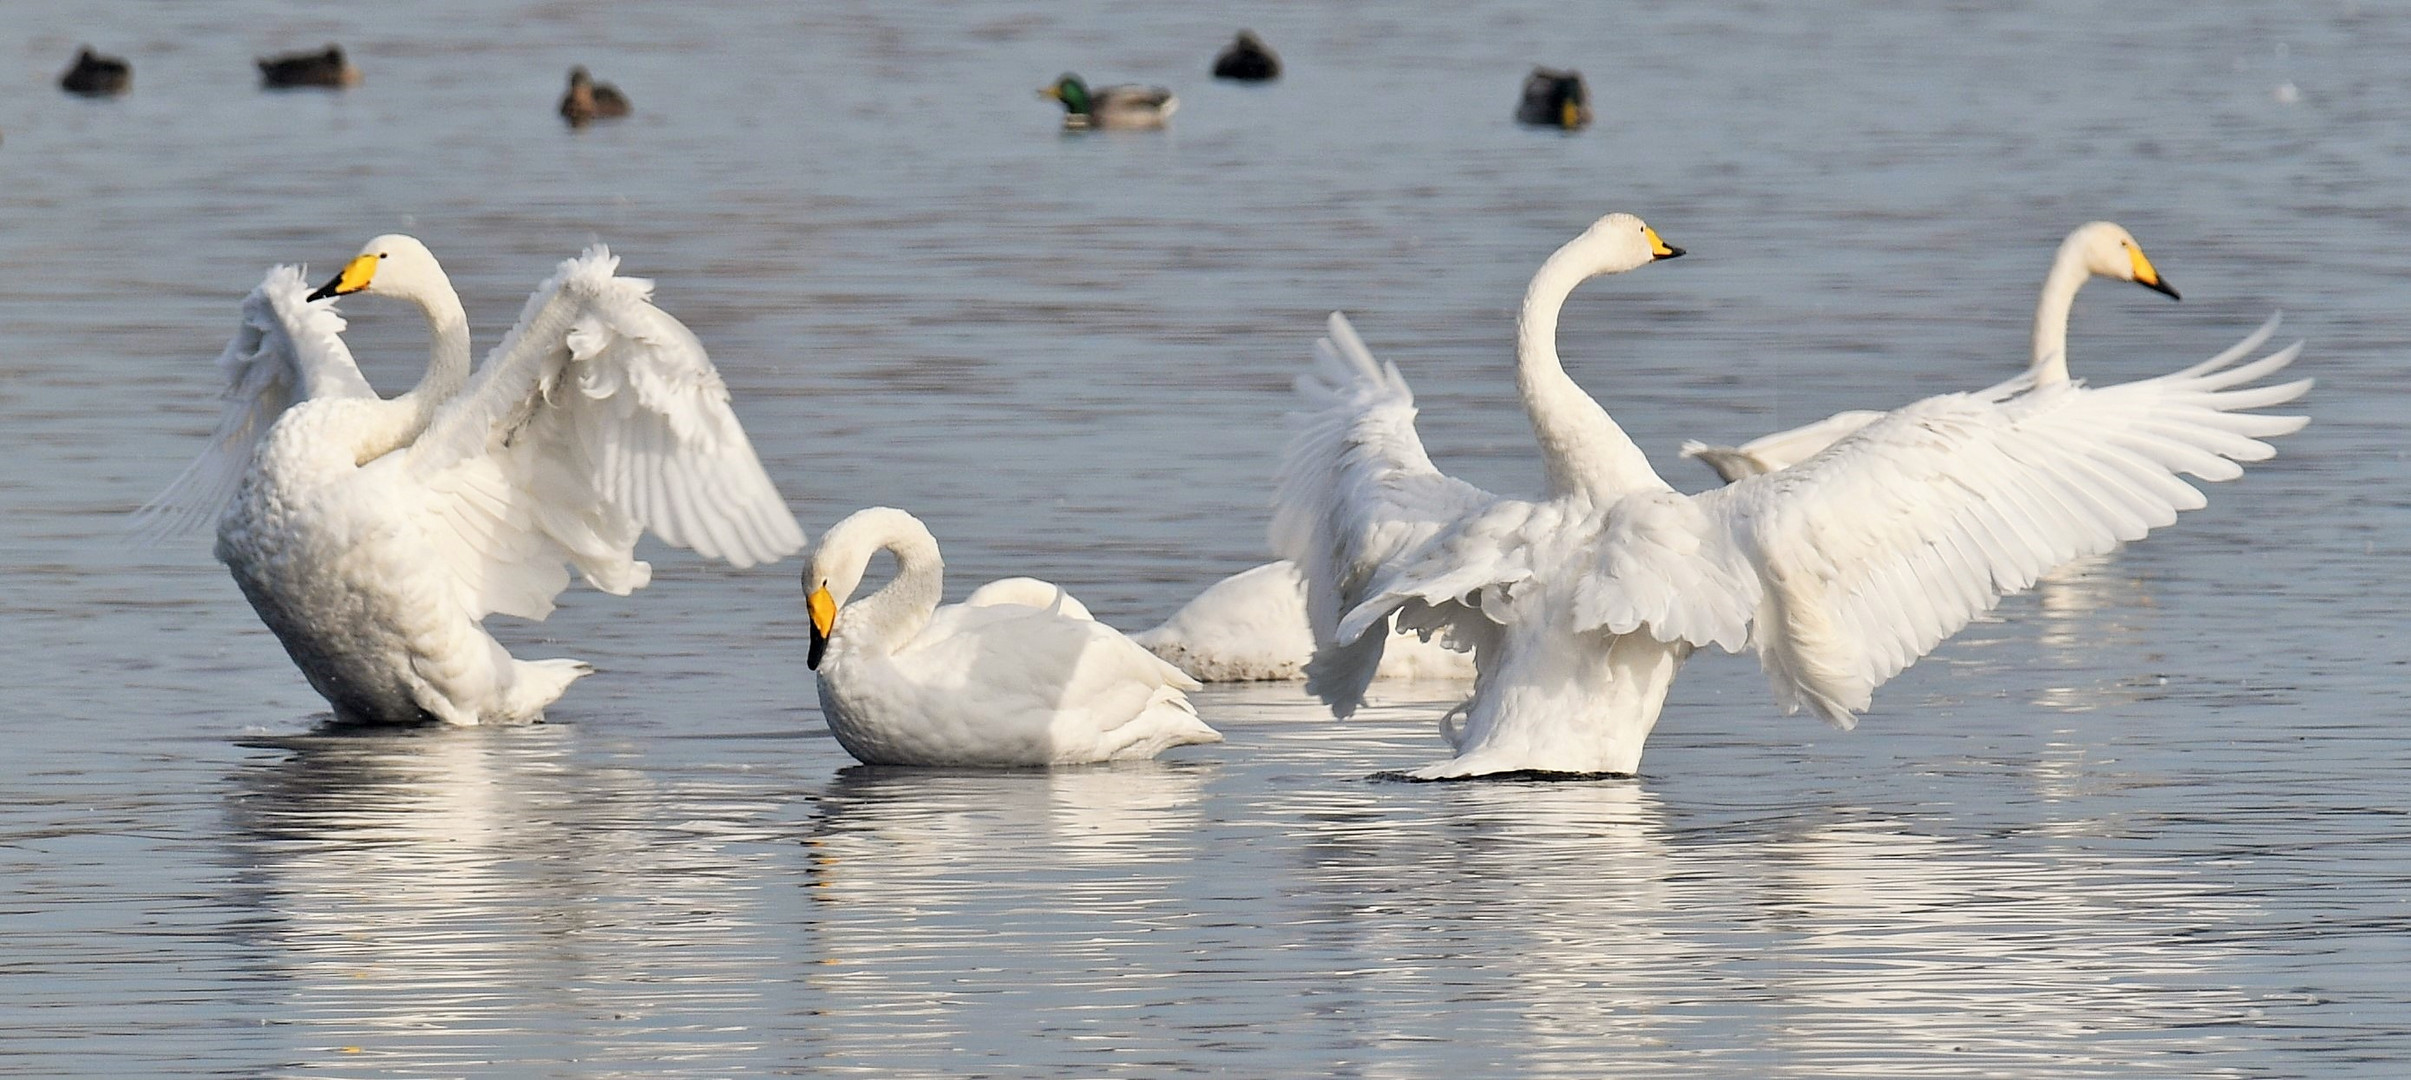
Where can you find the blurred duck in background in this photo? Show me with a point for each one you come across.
(1554, 98)
(588, 100)
(94, 75)
(1126, 107)
(1248, 59)
(328, 69)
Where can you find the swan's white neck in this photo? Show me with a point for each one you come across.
(396, 423)
(447, 350)
(2068, 274)
(1582, 447)
(885, 620)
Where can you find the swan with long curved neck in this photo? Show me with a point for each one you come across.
(373, 536)
(1254, 624)
(401, 268)
(2095, 249)
(1021, 676)
(1582, 448)
(1580, 607)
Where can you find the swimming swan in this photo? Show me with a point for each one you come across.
(1838, 572)
(1251, 626)
(1021, 678)
(2095, 249)
(373, 535)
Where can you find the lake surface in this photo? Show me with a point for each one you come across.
(2149, 820)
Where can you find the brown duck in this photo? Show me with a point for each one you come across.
(325, 69)
(588, 100)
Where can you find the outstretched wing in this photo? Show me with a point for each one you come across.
(1357, 497)
(285, 350)
(1849, 566)
(597, 419)
(1780, 450)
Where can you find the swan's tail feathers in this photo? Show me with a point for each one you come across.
(538, 683)
(1340, 674)
(1731, 463)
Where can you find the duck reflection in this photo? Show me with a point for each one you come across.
(417, 883)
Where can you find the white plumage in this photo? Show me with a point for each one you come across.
(1017, 676)
(2094, 249)
(374, 535)
(1838, 572)
(1251, 626)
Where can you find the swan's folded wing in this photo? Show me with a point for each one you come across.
(1871, 553)
(1357, 495)
(285, 350)
(609, 420)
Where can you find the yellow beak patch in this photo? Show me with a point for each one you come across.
(824, 610)
(2144, 271)
(1658, 247)
(355, 275)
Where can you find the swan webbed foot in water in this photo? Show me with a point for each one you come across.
(1020, 676)
(1251, 627)
(1837, 572)
(1125, 107)
(373, 536)
(2094, 249)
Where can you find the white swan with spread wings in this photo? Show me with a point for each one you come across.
(2094, 249)
(374, 535)
(1838, 572)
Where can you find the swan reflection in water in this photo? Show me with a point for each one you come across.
(427, 893)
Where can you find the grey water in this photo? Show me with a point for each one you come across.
(2148, 820)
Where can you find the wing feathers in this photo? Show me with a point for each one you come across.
(609, 420)
(1893, 539)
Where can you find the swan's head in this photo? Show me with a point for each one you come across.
(390, 265)
(2111, 252)
(1614, 244)
(844, 554)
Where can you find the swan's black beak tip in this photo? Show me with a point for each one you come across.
(324, 291)
(2161, 286)
(1671, 252)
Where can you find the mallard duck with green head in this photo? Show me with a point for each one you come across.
(1128, 106)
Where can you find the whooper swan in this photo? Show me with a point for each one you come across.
(1838, 572)
(2095, 249)
(1251, 626)
(1020, 677)
(373, 535)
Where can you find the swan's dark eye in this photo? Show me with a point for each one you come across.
(380, 254)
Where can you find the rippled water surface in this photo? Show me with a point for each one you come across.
(2146, 821)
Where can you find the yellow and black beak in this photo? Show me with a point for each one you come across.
(1659, 248)
(824, 616)
(2147, 275)
(355, 277)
